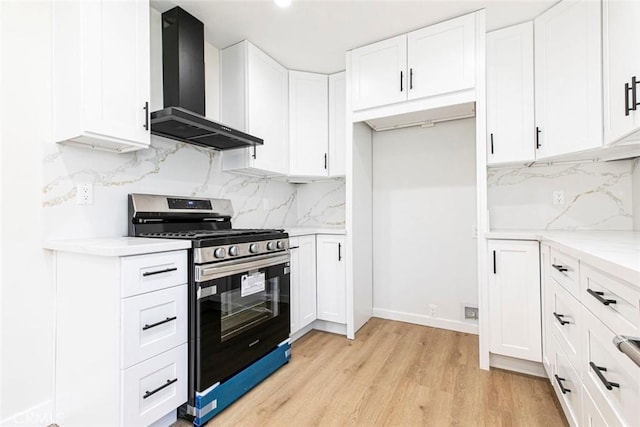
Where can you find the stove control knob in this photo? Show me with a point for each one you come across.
(233, 251)
(253, 248)
(280, 244)
(270, 246)
(219, 253)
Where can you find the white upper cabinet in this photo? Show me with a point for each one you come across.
(101, 67)
(337, 124)
(432, 61)
(379, 73)
(254, 99)
(621, 68)
(568, 78)
(510, 124)
(441, 58)
(308, 124)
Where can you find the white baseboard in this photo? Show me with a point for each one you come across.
(38, 416)
(334, 328)
(517, 365)
(419, 319)
(301, 332)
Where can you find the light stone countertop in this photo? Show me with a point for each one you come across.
(616, 252)
(117, 246)
(304, 231)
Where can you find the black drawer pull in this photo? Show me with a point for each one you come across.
(599, 370)
(162, 322)
(151, 273)
(559, 318)
(559, 381)
(598, 295)
(165, 385)
(294, 247)
(560, 268)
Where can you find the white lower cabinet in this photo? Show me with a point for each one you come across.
(331, 278)
(303, 281)
(514, 299)
(121, 334)
(566, 382)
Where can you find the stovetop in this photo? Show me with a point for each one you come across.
(202, 234)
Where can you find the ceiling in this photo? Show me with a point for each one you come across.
(313, 35)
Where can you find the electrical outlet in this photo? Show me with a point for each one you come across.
(471, 312)
(433, 310)
(84, 193)
(558, 197)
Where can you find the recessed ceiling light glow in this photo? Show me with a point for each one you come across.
(282, 3)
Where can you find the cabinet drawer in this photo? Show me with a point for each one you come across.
(613, 301)
(597, 412)
(145, 273)
(154, 387)
(566, 382)
(564, 270)
(622, 393)
(153, 323)
(565, 323)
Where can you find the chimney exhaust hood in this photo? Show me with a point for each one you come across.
(183, 118)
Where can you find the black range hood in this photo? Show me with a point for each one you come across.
(183, 117)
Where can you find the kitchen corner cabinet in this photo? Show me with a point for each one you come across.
(121, 338)
(101, 83)
(514, 299)
(337, 124)
(568, 78)
(308, 124)
(621, 69)
(510, 124)
(431, 61)
(303, 281)
(254, 99)
(331, 276)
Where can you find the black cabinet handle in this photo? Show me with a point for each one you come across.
(146, 115)
(559, 318)
(599, 370)
(339, 251)
(491, 138)
(410, 78)
(151, 273)
(325, 160)
(162, 322)
(494, 262)
(165, 385)
(559, 381)
(560, 268)
(401, 79)
(255, 154)
(538, 145)
(598, 295)
(294, 247)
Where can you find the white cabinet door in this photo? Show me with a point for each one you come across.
(308, 124)
(621, 62)
(101, 67)
(568, 78)
(441, 57)
(378, 74)
(510, 124)
(254, 99)
(337, 124)
(514, 299)
(331, 278)
(303, 281)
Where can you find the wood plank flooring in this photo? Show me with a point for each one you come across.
(393, 374)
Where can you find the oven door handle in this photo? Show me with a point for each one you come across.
(209, 272)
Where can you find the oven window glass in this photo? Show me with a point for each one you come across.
(255, 302)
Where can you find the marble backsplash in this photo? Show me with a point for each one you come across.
(172, 168)
(598, 196)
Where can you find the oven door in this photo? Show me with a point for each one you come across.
(241, 314)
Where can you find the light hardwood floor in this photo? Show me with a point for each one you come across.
(393, 374)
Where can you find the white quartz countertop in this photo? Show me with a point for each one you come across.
(304, 231)
(617, 252)
(117, 246)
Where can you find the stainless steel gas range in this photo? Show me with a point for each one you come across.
(238, 292)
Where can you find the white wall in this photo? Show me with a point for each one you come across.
(424, 210)
(636, 193)
(26, 312)
(598, 196)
